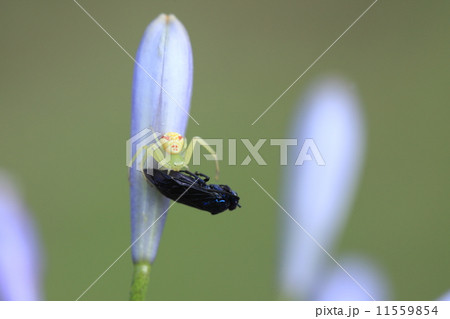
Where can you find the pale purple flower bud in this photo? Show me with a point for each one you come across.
(161, 95)
(20, 263)
(337, 285)
(320, 197)
(445, 297)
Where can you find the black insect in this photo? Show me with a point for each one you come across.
(192, 189)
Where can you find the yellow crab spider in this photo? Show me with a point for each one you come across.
(172, 152)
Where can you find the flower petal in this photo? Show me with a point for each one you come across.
(319, 197)
(161, 95)
(20, 263)
(339, 286)
(445, 297)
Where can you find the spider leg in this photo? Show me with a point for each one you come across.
(138, 155)
(155, 152)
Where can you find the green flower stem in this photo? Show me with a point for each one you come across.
(141, 277)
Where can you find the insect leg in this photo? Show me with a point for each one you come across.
(188, 173)
(196, 176)
(203, 143)
(205, 177)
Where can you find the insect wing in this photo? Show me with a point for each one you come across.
(165, 184)
(199, 195)
(193, 191)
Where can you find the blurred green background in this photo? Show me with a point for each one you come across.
(65, 113)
